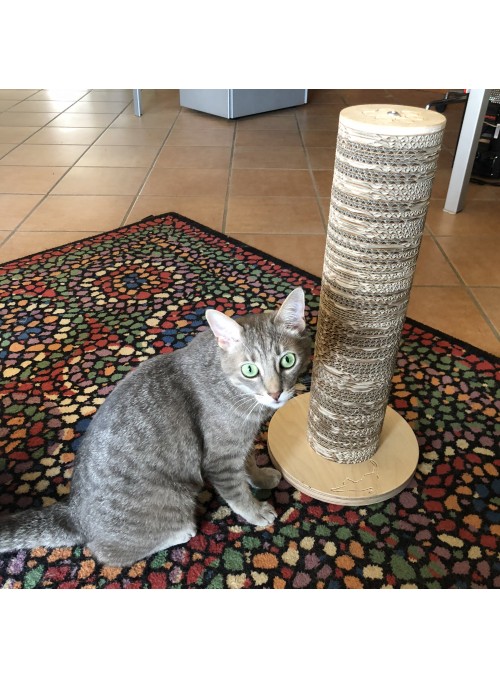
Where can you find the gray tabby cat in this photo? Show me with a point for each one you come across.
(172, 422)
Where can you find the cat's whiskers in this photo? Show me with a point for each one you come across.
(242, 402)
(257, 404)
(243, 398)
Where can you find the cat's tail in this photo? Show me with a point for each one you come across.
(51, 526)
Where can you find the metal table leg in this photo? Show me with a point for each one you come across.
(137, 101)
(466, 149)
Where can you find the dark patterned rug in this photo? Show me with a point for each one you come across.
(75, 319)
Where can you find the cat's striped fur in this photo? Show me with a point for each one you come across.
(174, 421)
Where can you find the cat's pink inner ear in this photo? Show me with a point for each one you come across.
(291, 312)
(226, 330)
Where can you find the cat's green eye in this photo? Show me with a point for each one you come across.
(288, 360)
(249, 370)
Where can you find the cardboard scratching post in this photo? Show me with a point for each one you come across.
(341, 443)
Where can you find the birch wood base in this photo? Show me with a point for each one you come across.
(381, 477)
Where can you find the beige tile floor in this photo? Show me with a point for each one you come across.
(76, 163)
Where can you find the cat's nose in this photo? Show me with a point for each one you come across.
(276, 395)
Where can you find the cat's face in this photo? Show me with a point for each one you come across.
(264, 354)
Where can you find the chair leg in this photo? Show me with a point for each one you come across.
(137, 101)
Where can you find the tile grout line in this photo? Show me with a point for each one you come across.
(470, 291)
(47, 193)
(16, 146)
(38, 204)
(465, 286)
(311, 174)
(229, 180)
(151, 168)
(461, 280)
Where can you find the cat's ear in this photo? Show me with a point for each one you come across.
(226, 330)
(291, 312)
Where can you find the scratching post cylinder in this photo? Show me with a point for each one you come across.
(384, 168)
(385, 164)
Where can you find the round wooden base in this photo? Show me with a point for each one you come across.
(379, 478)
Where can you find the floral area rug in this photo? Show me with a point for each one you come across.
(74, 320)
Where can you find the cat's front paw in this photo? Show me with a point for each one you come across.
(264, 514)
(266, 478)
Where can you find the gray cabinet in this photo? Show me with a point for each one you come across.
(236, 103)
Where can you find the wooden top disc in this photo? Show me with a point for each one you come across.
(392, 119)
